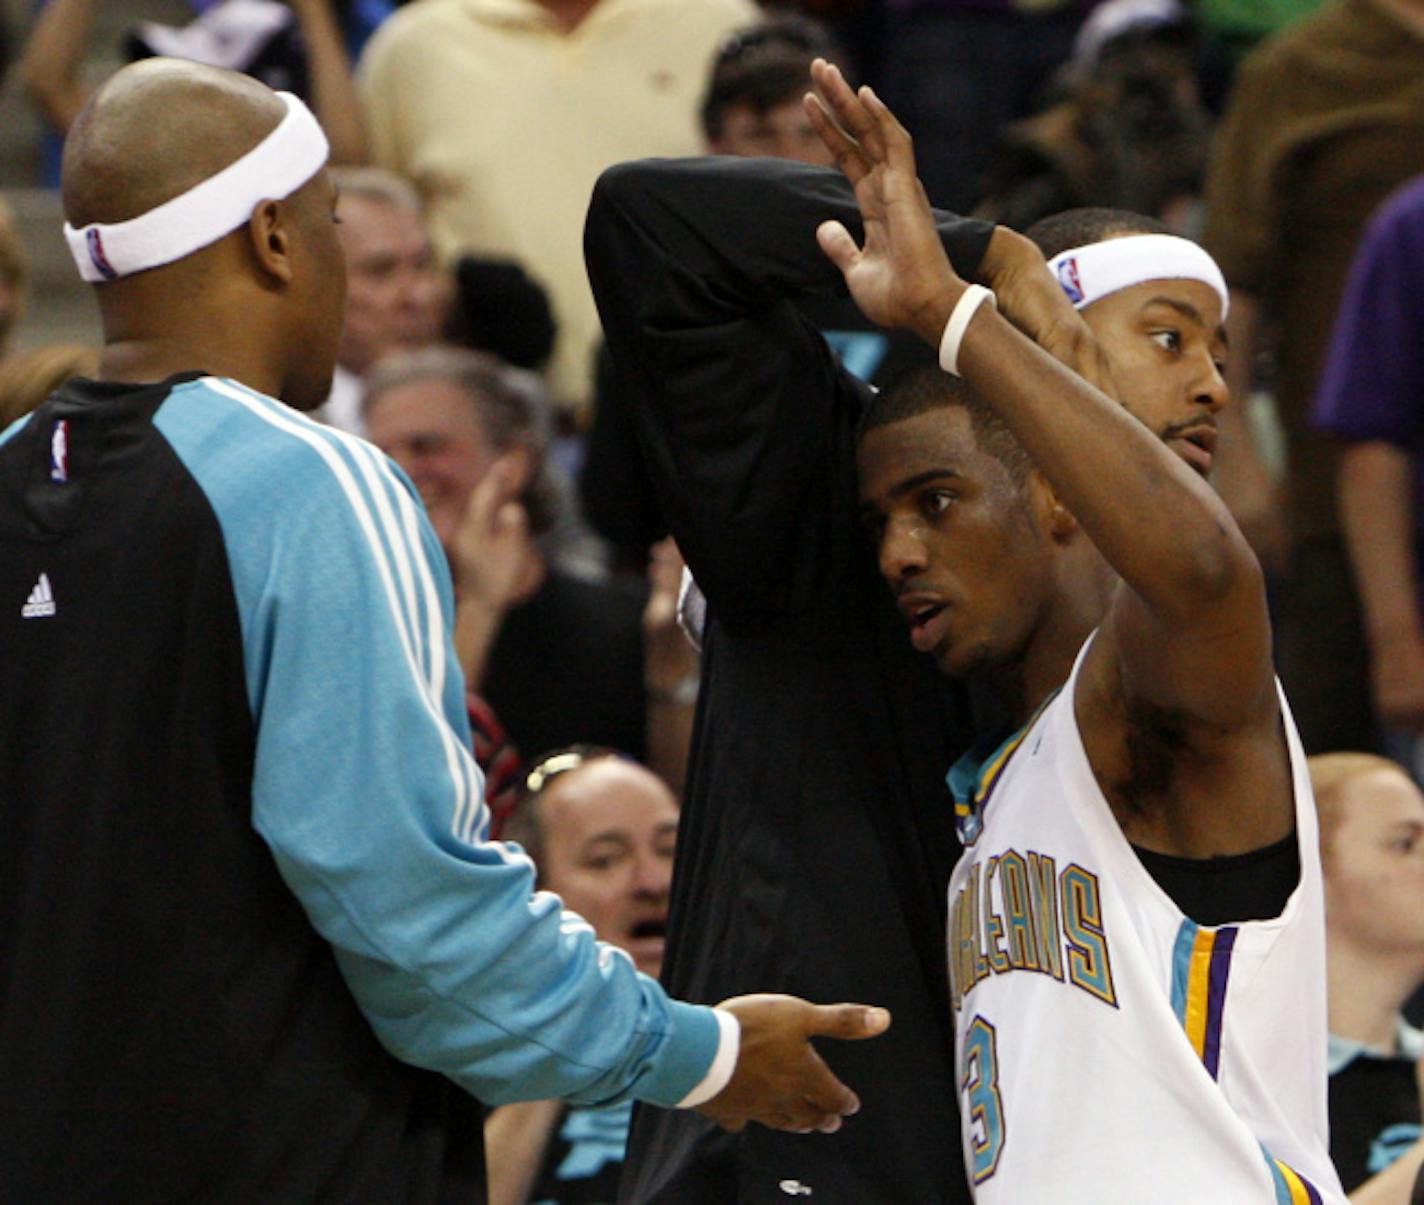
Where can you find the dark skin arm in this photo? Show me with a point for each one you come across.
(1182, 659)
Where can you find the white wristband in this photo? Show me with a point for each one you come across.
(965, 309)
(729, 1046)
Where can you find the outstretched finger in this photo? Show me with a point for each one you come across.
(848, 109)
(500, 484)
(899, 147)
(511, 519)
(485, 499)
(843, 148)
(846, 1021)
(837, 244)
(824, 1093)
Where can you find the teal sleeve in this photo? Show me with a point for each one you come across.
(366, 792)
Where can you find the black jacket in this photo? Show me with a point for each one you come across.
(817, 834)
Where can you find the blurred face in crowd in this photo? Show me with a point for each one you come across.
(781, 132)
(1373, 857)
(1167, 349)
(609, 831)
(432, 429)
(395, 295)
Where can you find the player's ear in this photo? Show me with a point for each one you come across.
(269, 234)
(1052, 513)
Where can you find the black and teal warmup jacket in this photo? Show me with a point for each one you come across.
(253, 945)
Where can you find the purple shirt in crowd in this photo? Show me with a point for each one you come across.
(1372, 387)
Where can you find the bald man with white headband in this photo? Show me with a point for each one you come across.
(256, 944)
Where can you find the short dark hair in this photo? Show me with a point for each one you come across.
(764, 66)
(1060, 232)
(930, 388)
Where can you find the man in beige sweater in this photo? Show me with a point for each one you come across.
(503, 113)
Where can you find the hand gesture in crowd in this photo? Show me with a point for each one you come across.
(493, 553)
(495, 560)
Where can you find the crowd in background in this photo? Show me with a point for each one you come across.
(1286, 136)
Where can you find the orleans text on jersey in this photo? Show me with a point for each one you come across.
(1110, 1048)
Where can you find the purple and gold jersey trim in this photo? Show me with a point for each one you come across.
(1291, 1187)
(1201, 964)
(973, 777)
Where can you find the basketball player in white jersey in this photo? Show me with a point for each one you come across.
(1136, 932)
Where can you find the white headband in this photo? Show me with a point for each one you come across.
(272, 170)
(1091, 272)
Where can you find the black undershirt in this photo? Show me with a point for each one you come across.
(1224, 890)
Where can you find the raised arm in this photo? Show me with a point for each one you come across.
(333, 89)
(1189, 637)
(1371, 397)
(742, 413)
(1240, 472)
(1375, 491)
(49, 66)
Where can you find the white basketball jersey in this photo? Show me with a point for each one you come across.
(1110, 1050)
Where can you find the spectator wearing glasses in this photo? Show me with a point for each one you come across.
(601, 830)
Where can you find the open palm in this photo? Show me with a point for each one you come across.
(901, 277)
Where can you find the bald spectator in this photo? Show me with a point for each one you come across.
(602, 831)
(503, 112)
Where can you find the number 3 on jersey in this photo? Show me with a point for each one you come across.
(979, 1082)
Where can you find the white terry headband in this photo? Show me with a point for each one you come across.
(272, 170)
(1091, 272)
